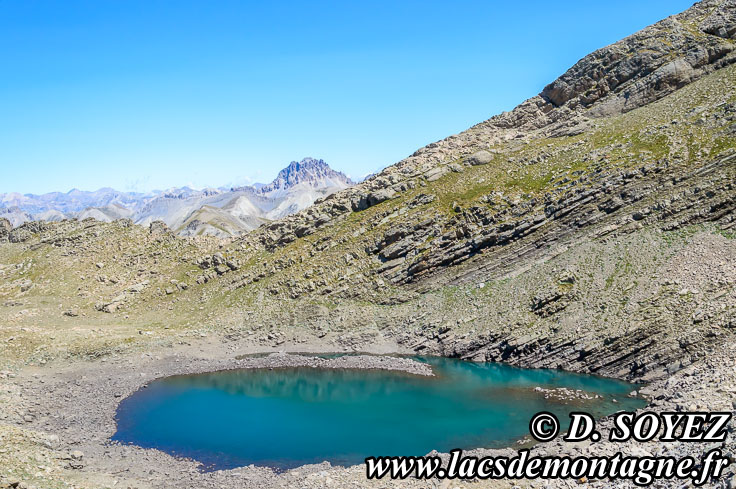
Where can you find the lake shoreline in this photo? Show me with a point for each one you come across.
(74, 407)
(364, 405)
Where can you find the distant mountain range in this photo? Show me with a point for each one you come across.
(188, 212)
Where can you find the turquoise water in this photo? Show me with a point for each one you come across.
(288, 417)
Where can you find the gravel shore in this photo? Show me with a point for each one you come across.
(71, 408)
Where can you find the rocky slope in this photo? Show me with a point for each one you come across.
(534, 142)
(590, 229)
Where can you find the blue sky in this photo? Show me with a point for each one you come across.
(139, 95)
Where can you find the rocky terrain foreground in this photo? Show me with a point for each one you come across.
(590, 229)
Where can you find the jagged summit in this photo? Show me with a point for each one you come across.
(310, 171)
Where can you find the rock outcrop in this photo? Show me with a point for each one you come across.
(5, 228)
(619, 78)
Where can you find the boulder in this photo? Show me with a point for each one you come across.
(205, 262)
(5, 228)
(19, 235)
(436, 173)
(137, 288)
(722, 21)
(481, 157)
(158, 228)
(380, 196)
(359, 202)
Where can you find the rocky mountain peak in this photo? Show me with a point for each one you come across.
(310, 171)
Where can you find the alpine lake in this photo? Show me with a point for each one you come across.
(287, 417)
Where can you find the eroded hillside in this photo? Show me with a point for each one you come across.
(551, 210)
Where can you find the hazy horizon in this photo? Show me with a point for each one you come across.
(247, 182)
